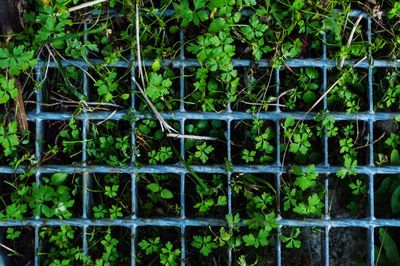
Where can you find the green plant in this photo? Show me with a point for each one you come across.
(152, 146)
(392, 93)
(305, 197)
(59, 247)
(165, 252)
(208, 201)
(187, 15)
(387, 251)
(258, 145)
(107, 87)
(111, 197)
(305, 88)
(292, 240)
(8, 91)
(299, 138)
(16, 59)
(326, 125)
(214, 52)
(254, 33)
(53, 198)
(158, 87)
(204, 244)
(349, 89)
(105, 148)
(205, 151)
(158, 194)
(8, 138)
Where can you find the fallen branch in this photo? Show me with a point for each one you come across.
(351, 38)
(196, 137)
(160, 118)
(139, 58)
(20, 108)
(84, 5)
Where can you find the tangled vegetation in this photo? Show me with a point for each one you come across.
(207, 88)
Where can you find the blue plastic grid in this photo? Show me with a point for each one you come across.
(134, 222)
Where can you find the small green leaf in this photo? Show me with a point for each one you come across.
(124, 96)
(389, 245)
(217, 25)
(189, 128)
(250, 240)
(216, 4)
(58, 178)
(153, 187)
(166, 194)
(395, 201)
(395, 157)
(289, 122)
(156, 65)
(309, 97)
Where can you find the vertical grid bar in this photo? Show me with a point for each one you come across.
(370, 86)
(278, 163)
(228, 173)
(133, 245)
(182, 142)
(325, 246)
(37, 246)
(182, 71)
(371, 244)
(324, 88)
(85, 175)
(371, 197)
(182, 202)
(370, 98)
(325, 242)
(228, 176)
(371, 254)
(38, 154)
(134, 205)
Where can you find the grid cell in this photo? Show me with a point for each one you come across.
(348, 197)
(157, 195)
(196, 236)
(293, 238)
(209, 144)
(347, 245)
(20, 244)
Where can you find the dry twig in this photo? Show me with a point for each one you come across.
(351, 38)
(20, 108)
(163, 123)
(160, 118)
(196, 137)
(84, 5)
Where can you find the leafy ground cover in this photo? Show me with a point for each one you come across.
(208, 116)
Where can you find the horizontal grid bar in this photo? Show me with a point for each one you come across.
(185, 222)
(245, 12)
(180, 168)
(179, 63)
(179, 115)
